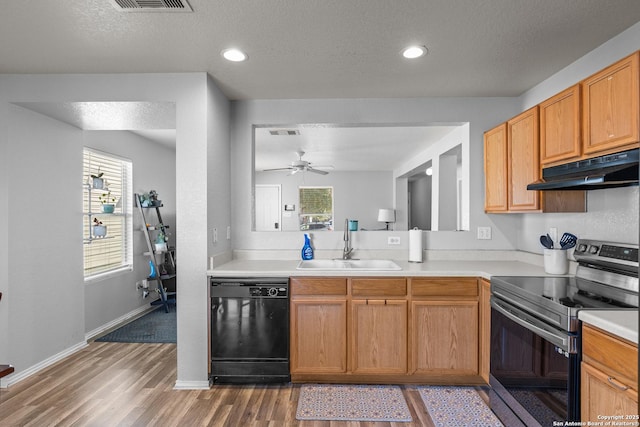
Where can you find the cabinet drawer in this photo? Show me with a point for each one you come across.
(379, 287)
(318, 286)
(610, 354)
(444, 286)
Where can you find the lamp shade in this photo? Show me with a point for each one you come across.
(386, 215)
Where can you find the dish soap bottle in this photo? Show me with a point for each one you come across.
(307, 250)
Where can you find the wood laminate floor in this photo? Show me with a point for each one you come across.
(116, 384)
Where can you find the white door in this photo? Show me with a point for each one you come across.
(268, 208)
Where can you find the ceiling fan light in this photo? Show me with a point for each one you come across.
(413, 52)
(234, 55)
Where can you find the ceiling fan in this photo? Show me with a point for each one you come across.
(302, 166)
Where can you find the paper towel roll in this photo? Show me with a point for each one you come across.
(415, 245)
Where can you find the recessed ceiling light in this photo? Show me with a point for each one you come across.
(234, 55)
(413, 52)
(429, 171)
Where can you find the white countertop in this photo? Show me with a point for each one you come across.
(287, 268)
(622, 323)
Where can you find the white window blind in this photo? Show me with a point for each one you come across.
(115, 250)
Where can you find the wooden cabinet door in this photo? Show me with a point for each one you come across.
(560, 127)
(484, 329)
(601, 395)
(610, 107)
(318, 336)
(524, 161)
(495, 169)
(379, 336)
(445, 337)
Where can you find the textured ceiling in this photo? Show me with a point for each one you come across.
(319, 49)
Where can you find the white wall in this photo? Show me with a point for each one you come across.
(480, 113)
(195, 97)
(154, 167)
(44, 291)
(612, 214)
(4, 229)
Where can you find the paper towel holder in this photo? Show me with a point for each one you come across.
(387, 216)
(415, 245)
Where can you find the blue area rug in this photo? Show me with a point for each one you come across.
(457, 406)
(154, 327)
(352, 403)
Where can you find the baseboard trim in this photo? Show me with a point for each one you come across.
(19, 376)
(116, 323)
(191, 385)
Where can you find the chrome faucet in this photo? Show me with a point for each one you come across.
(346, 252)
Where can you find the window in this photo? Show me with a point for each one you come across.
(316, 208)
(112, 251)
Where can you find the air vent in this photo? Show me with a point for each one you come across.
(152, 5)
(284, 132)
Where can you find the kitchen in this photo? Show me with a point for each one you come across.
(611, 215)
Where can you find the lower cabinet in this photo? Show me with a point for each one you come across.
(445, 337)
(609, 376)
(318, 338)
(445, 326)
(379, 336)
(388, 329)
(319, 328)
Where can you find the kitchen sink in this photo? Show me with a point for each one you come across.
(348, 264)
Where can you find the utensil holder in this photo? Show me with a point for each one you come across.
(556, 261)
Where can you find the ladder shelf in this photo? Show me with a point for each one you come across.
(160, 272)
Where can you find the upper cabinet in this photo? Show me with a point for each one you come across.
(598, 116)
(610, 107)
(560, 127)
(495, 169)
(524, 161)
(511, 162)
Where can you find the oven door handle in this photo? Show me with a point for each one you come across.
(510, 313)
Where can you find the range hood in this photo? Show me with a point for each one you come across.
(612, 170)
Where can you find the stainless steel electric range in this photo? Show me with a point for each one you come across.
(535, 332)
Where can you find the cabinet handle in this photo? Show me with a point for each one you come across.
(616, 384)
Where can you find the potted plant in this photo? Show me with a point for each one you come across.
(99, 230)
(96, 180)
(153, 198)
(161, 242)
(108, 202)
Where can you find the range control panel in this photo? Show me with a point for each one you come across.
(606, 251)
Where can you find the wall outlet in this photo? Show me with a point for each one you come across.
(139, 285)
(228, 232)
(393, 240)
(484, 233)
(215, 235)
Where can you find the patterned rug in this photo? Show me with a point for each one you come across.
(352, 403)
(154, 327)
(457, 406)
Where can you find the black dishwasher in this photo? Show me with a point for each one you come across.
(249, 330)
